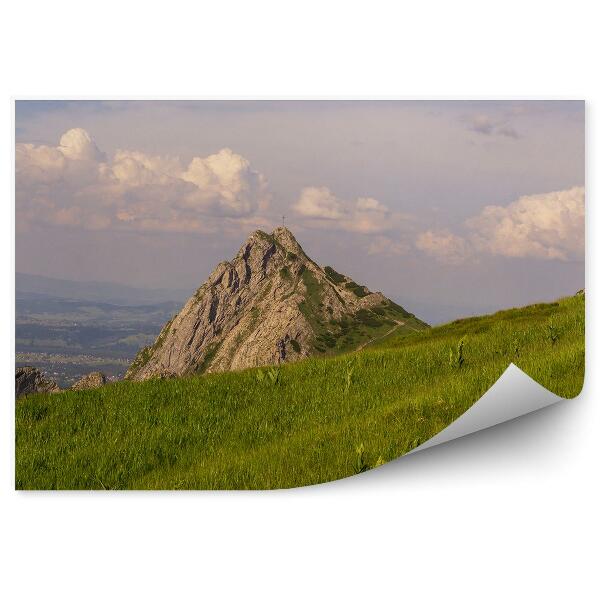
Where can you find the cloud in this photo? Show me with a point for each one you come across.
(548, 226)
(508, 131)
(482, 124)
(384, 246)
(319, 203)
(323, 210)
(486, 125)
(74, 184)
(444, 246)
(76, 144)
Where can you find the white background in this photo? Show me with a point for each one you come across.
(507, 513)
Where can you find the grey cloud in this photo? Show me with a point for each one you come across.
(490, 126)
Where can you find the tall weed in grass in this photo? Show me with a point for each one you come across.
(296, 424)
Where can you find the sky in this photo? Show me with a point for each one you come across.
(449, 207)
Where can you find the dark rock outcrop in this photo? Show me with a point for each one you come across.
(30, 380)
(90, 381)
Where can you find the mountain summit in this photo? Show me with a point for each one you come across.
(270, 304)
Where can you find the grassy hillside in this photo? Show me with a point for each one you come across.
(309, 422)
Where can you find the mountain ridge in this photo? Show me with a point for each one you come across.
(270, 304)
(28, 285)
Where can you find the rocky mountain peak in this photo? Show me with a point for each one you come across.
(281, 239)
(286, 239)
(270, 304)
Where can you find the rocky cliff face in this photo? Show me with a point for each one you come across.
(29, 380)
(271, 304)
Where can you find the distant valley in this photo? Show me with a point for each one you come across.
(68, 337)
(95, 291)
(69, 328)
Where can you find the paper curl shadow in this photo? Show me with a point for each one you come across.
(513, 395)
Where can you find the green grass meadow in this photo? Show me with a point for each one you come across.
(308, 422)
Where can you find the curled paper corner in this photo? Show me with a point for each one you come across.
(514, 394)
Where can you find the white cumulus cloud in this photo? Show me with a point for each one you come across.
(549, 226)
(321, 208)
(77, 144)
(75, 184)
(444, 246)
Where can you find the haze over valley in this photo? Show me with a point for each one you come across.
(68, 329)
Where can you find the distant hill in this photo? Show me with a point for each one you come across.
(38, 286)
(438, 312)
(270, 304)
